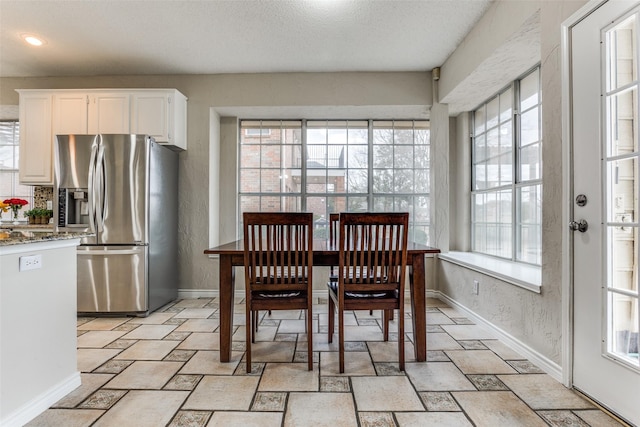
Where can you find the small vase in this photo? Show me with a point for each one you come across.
(15, 217)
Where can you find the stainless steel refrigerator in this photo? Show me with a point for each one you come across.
(123, 188)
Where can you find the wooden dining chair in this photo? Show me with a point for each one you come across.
(334, 233)
(371, 271)
(278, 261)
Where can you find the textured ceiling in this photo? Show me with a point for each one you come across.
(121, 37)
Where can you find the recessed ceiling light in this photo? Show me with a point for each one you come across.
(33, 40)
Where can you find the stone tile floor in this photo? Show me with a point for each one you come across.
(164, 370)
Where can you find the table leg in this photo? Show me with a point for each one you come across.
(227, 292)
(419, 306)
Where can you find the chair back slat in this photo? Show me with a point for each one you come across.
(373, 251)
(278, 250)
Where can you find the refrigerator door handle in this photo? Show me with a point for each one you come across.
(93, 252)
(99, 189)
(92, 192)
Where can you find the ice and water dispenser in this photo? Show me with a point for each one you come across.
(73, 207)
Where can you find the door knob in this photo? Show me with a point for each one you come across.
(580, 226)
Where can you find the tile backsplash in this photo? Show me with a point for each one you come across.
(41, 195)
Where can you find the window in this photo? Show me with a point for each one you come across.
(507, 173)
(9, 158)
(325, 166)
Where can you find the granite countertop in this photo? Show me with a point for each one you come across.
(25, 226)
(18, 237)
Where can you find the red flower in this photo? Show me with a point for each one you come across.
(16, 203)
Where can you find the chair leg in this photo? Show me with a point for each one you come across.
(255, 317)
(385, 323)
(310, 337)
(331, 319)
(254, 323)
(401, 339)
(341, 339)
(249, 337)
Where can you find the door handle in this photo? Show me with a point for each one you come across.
(580, 226)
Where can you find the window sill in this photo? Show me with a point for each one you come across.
(522, 275)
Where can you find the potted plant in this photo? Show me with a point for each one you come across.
(46, 216)
(31, 214)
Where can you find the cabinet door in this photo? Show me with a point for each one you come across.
(151, 115)
(109, 113)
(36, 141)
(70, 113)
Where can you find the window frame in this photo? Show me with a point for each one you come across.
(517, 184)
(16, 189)
(370, 196)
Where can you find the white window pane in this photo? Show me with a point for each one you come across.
(506, 105)
(250, 156)
(383, 181)
(622, 184)
(479, 120)
(250, 180)
(493, 108)
(357, 204)
(421, 157)
(337, 136)
(621, 122)
(422, 181)
(357, 181)
(480, 175)
(316, 136)
(624, 322)
(403, 156)
(383, 156)
(493, 142)
(358, 156)
(506, 136)
(530, 127)
(529, 91)
(621, 64)
(479, 148)
(530, 163)
(421, 212)
(383, 204)
(382, 134)
(316, 156)
(7, 158)
(403, 181)
(505, 207)
(421, 133)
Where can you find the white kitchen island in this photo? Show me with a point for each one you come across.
(38, 361)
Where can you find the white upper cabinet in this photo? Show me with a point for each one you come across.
(70, 113)
(109, 112)
(36, 148)
(161, 114)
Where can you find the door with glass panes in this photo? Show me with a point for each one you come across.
(605, 159)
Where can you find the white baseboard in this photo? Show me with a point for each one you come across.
(541, 361)
(198, 293)
(42, 402)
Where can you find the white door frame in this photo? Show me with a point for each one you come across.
(567, 183)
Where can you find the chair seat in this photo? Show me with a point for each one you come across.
(360, 295)
(278, 294)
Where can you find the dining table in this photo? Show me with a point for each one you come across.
(324, 254)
